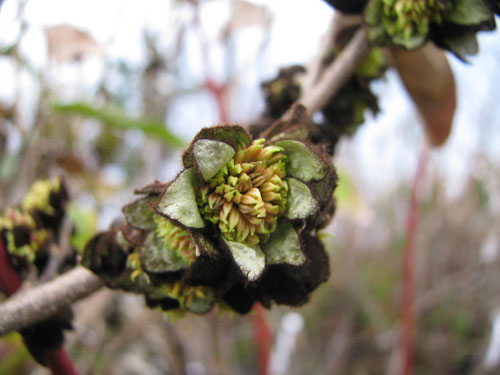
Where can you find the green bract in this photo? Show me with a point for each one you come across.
(238, 211)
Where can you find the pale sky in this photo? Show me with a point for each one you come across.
(383, 152)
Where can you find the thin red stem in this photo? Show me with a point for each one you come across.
(9, 279)
(263, 338)
(408, 303)
(215, 88)
(58, 360)
(60, 363)
(217, 91)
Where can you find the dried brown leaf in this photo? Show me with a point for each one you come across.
(67, 44)
(429, 80)
(246, 14)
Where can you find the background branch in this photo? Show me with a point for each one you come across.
(336, 74)
(42, 301)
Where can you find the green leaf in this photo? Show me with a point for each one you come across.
(211, 156)
(300, 202)
(284, 246)
(179, 201)
(462, 45)
(250, 260)
(156, 258)
(140, 213)
(116, 118)
(469, 12)
(84, 221)
(302, 162)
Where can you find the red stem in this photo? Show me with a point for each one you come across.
(215, 88)
(217, 91)
(60, 363)
(263, 338)
(408, 303)
(9, 279)
(58, 360)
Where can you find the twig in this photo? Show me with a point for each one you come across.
(338, 345)
(215, 88)
(263, 338)
(58, 361)
(339, 23)
(334, 76)
(176, 349)
(408, 304)
(42, 301)
(337, 73)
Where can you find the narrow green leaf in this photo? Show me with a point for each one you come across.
(211, 156)
(300, 202)
(302, 162)
(179, 201)
(250, 260)
(283, 247)
(116, 118)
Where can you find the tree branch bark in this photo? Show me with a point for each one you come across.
(337, 73)
(333, 78)
(40, 302)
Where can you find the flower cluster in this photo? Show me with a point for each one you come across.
(28, 230)
(246, 196)
(236, 226)
(450, 24)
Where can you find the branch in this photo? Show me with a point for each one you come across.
(335, 75)
(40, 302)
(408, 303)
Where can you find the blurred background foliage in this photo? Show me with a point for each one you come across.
(107, 95)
